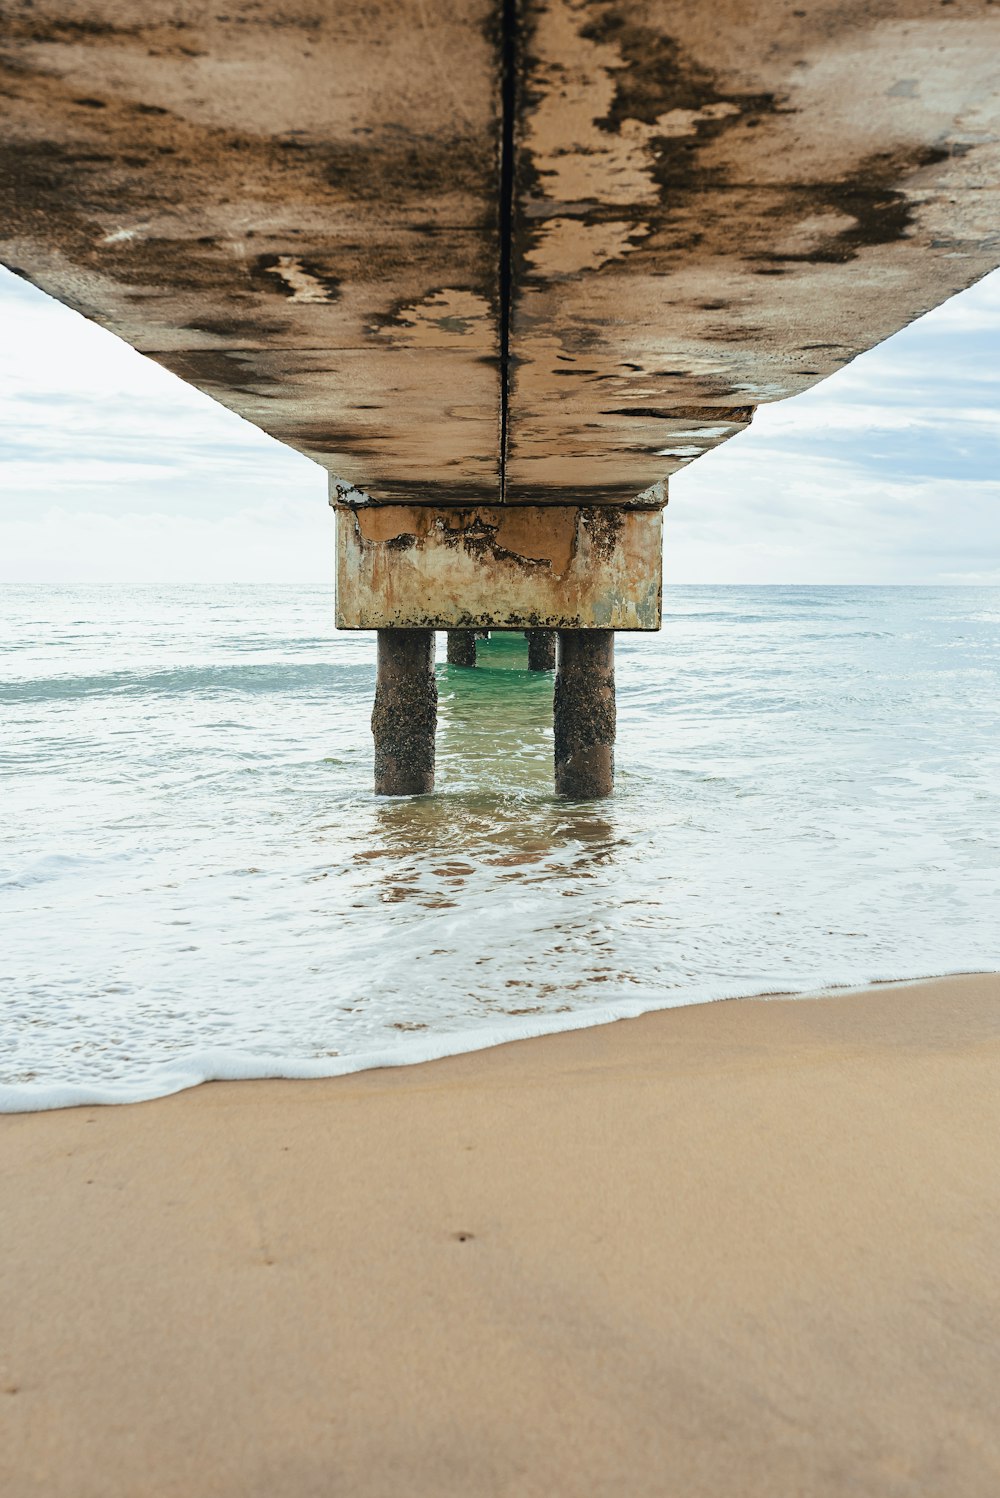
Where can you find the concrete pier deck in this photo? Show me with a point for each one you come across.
(477, 252)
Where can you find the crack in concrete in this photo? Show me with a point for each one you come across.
(510, 62)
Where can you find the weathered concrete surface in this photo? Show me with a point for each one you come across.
(292, 206)
(410, 566)
(584, 714)
(404, 719)
(298, 208)
(719, 205)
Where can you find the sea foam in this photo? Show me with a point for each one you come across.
(197, 881)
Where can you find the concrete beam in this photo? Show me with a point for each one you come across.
(540, 567)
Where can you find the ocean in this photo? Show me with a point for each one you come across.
(197, 882)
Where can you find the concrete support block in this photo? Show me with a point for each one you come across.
(584, 713)
(461, 647)
(541, 649)
(500, 567)
(404, 718)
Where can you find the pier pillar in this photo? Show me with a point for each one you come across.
(584, 713)
(404, 718)
(581, 571)
(541, 649)
(462, 647)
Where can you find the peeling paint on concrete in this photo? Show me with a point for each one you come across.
(301, 281)
(449, 318)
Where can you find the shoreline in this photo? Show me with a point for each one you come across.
(723, 1248)
(196, 1069)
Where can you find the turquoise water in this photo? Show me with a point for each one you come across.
(196, 881)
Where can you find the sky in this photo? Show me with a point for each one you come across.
(112, 470)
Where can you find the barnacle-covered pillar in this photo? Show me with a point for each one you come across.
(404, 718)
(461, 647)
(584, 714)
(541, 649)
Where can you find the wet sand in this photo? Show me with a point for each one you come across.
(748, 1249)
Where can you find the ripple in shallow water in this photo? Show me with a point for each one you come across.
(195, 874)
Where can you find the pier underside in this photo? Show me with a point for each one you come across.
(500, 266)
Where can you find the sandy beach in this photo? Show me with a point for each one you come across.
(748, 1248)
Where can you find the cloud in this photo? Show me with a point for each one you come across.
(90, 427)
(287, 541)
(889, 471)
